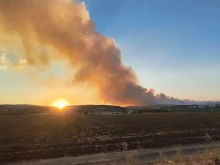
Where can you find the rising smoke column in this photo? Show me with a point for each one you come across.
(66, 27)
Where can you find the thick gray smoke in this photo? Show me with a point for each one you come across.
(66, 27)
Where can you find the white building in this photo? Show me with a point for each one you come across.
(129, 111)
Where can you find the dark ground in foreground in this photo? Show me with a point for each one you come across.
(28, 137)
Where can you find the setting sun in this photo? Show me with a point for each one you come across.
(61, 103)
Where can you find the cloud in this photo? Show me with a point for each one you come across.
(4, 61)
(8, 61)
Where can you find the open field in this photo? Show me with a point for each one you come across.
(27, 137)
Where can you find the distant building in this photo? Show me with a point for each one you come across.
(106, 110)
(202, 106)
(184, 107)
(129, 111)
(100, 109)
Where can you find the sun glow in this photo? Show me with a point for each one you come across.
(61, 103)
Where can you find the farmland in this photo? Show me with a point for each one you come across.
(28, 137)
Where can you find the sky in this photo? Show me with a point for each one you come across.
(173, 46)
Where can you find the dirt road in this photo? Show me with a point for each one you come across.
(137, 157)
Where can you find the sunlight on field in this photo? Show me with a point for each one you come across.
(61, 103)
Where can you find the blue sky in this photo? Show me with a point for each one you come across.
(173, 46)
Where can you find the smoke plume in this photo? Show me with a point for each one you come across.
(66, 27)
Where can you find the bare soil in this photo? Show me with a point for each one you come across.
(29, 137)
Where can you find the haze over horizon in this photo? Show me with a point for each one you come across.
(173, 48)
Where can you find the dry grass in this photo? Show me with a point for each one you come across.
(209, 157)
(188, 162)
